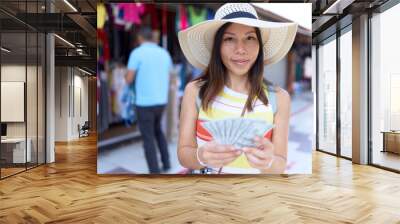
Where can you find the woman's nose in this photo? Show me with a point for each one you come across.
(240, 48)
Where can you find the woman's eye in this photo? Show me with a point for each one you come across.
(251, 38)
(228, 39)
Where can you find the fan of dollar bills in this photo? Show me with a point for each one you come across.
(239, 132)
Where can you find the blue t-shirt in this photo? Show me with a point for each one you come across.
(152, 64)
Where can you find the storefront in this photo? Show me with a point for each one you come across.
(385, 89)
(356, 68)
(117, 37)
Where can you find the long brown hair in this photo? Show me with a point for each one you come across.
(213, 79)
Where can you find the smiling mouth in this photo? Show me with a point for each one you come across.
(240, 62)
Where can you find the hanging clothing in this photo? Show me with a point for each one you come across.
(299, 71)
(109, 12)
(182, 77)
(102, 36)
(118, 84)
(104, 107)
(108, 28)
(132, 12)
(118, 14)
(101, 15)
(181, 18)
(118, 41)
(210, 14)
(150, 10)
(127, 102)
(197, 15)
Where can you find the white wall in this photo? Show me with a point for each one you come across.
(80, 94)
(14, 73)
(33, 126)
(71, 93)
(61, 103)
(17, 73)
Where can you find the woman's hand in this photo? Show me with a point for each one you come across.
(262, 156)
(216, 155)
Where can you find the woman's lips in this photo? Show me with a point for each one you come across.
(240, 61)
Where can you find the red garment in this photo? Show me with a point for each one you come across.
(102, 35)
(151, 10)
(183, 18)
(132, 12)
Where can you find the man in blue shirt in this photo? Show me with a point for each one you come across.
(149, 67)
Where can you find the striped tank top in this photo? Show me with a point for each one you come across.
(229, 104)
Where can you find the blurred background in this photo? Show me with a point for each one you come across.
(120, 148)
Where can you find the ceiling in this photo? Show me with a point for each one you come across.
(76, 25)
(327, 13)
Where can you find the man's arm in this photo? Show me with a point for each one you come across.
(130, 76)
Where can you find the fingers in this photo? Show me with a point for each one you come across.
(261, 156)
(263, 143)
(220, 163)
(258, 163)
(259, 153)
(255, 161)
(217, 155)
(221, 155)
(213, 147)
(218, 148)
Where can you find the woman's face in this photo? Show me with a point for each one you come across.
(239, 48)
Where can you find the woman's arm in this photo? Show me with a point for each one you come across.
(187, 144)
(211, 153)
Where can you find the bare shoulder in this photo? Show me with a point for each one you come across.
(192, 88)
(282, 96)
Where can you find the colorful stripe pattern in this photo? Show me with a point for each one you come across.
(229, 104)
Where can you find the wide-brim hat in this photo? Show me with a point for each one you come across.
(197, 41)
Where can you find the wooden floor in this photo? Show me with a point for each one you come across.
(10, 171)
(70, 191)
(388, 159)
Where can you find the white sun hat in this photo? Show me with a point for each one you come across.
(197, 41)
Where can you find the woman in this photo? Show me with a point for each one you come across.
(232, 50)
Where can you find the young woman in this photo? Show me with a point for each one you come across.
(232, 50)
